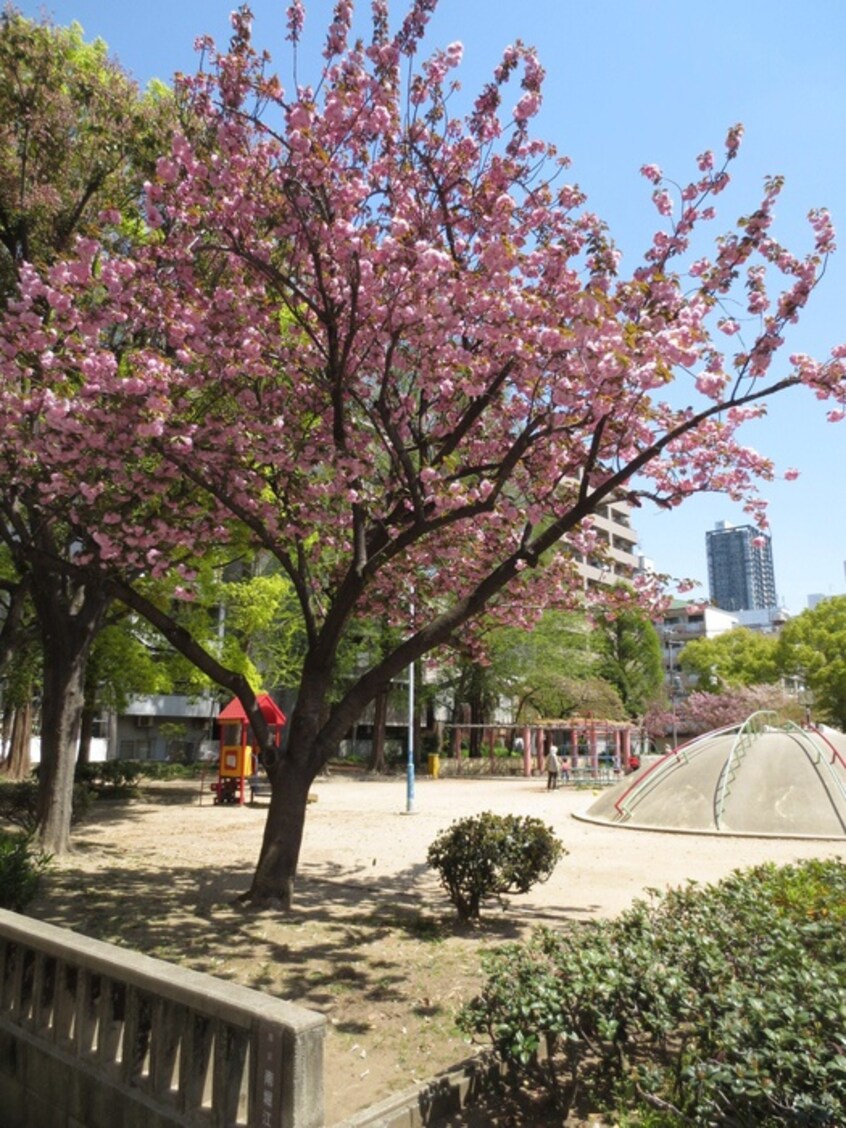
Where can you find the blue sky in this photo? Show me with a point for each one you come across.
(632, 82)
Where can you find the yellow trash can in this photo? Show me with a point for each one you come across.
(434, 766)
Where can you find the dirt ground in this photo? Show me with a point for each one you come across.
(372, 942)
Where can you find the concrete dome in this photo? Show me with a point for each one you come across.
(760, 778)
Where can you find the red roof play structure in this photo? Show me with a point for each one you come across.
(238, 758)
(271, 712)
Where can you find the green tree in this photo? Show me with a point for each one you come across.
(260, 624)
(739, 657)
(551, 671)
(241, 612)
(629, 658)
(76, 138)
(812, 647)
(544, 670)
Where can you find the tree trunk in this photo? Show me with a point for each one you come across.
(477, 717)
(290, 776)
(380, 714)
(61, 717)
(69, 618)
(273, 881)
(6, 734)
(18, 765)
(86, 733)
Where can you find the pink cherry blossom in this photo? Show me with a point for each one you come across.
(390, 350)
(296, 20)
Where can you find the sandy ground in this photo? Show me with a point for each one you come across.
(364, 828)
(372, 941)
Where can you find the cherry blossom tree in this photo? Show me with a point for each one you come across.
(396, 348)
(76, 139)
(703, 712)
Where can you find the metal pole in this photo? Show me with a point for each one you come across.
(671, 644)
(409, 788)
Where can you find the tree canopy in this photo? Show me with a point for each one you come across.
(739, 657)
(77, 141)
(812, 647)
(398, 349)
(630, 659)
(702, 711)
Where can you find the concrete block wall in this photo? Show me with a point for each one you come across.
(93, 1036)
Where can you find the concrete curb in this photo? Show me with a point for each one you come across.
(432, 1101)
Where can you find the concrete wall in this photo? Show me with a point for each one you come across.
(94, 1036)
(99, 750)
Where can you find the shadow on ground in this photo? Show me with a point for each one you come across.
(382, 956)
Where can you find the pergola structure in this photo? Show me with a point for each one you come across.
(595, 747)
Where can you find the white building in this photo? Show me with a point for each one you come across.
(767, 620)
(682, 623)
(620, 560)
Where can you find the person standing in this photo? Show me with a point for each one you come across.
(553, 768)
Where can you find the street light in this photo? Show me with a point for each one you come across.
(409, 783)
(671, 643)
(409, 773)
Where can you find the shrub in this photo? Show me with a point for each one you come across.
(490, 855)
(22, 866)
(722, 1005)
(119, 779)
(19, 803)
(112, 776)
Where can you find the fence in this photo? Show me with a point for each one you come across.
(92, 1035)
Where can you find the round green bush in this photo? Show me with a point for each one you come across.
(490, 855)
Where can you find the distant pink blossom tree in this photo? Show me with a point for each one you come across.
(703, 712)
(397, 348)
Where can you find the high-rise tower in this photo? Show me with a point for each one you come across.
(740, 568)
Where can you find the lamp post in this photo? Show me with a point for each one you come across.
(409, 782)
(671, 643)
(409, 772)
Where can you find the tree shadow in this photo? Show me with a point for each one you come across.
(327, 948)
(191, 915)
(365, 948)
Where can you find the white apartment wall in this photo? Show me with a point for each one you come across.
(99, 749)
(767, 620)
(613, 524)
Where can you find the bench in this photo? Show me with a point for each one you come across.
(258, 785)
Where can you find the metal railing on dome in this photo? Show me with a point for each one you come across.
(814, 736)
(658, 771)
(747, 734)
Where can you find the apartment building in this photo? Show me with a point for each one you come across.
(619, 560)
(741, 576)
